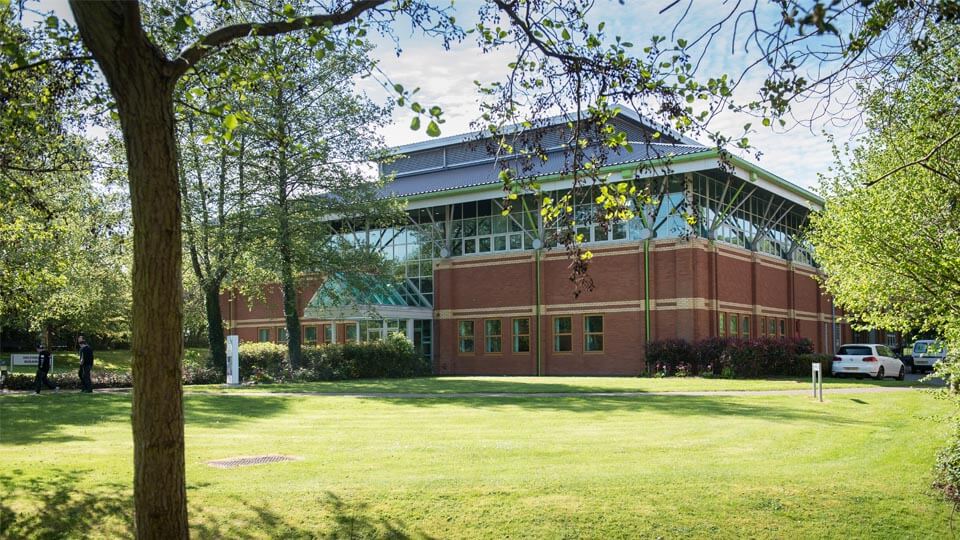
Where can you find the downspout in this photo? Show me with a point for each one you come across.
(537, 312)
(646, 290)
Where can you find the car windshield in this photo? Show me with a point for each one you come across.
(920, 347)
(855, 351)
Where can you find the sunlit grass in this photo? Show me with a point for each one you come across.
(857, 466)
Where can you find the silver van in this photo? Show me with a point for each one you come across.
(926, 354)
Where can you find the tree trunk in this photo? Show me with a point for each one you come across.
(215, 334)
(289, 284)
(138, 76)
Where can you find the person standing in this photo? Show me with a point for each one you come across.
(43, 367)
(86, 364)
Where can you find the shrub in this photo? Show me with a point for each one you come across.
(666, 355)
(947, 470)
(804, 363)
(70, 381)
(262, 358)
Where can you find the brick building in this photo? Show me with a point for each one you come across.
(488, 292)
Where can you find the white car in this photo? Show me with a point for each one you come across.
(860, 359)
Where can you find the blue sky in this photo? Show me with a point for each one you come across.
(796, 153)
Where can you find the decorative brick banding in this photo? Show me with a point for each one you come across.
(234, 462)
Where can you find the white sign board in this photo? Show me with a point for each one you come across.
(233, 359)
(28, 359)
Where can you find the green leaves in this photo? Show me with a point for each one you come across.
(433, 129)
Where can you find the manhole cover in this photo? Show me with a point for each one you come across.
(230, 463)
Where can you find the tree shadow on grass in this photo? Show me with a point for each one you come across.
(55, 507)
(337, 519)
(50, 418)
(702, 406)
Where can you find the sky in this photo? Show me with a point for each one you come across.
(446, 78)
(797, 153)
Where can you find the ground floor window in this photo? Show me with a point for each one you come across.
(263, 335)
(772, 327)
(329, 333)
(745, 327)
(783, 328)
(493, 335)
(521, 335)
(310, 335)
(351, 332)
(734, 326)
(721, 324)
(281, 335)
(562, 334)
(465, 336)
(593, 333)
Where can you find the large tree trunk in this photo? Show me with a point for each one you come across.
(215, 334)
(138, 75)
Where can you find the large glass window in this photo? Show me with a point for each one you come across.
(593, 333)
(562, 334)
(521, 335)
(493, 335)
(465, 336)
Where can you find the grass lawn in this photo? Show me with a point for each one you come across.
(525, 385)
(600, 467)
(103, 360)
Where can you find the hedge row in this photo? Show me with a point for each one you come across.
(392, 358)
(733, 357)
(105, 379)
(267, 362)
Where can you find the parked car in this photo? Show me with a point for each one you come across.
(862, 359)
(926, 354)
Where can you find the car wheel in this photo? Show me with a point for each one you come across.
(900, 377)
(879, 373)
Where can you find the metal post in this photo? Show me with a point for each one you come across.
(817, 376)
(233, 359)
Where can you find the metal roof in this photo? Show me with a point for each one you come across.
(478, 174)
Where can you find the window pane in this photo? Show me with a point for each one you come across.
(499, 243)
(515, 241)
(593, 342)
(745, 326)
(310, 334)
(783, 327)
(563, 343)
(521, 326)
(734, 327)
(562, 325)
(492, 327)
(466, 328)
(721, 329)
(351, 331)
(484, 245)
(493, 344)
(263, 335)
(593, 324)
(328, 330)
(771, 327)
(466, 345)
(521, 343)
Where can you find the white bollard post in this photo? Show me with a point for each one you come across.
(233, 360)
(817, 376)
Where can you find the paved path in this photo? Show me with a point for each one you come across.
(463, 395)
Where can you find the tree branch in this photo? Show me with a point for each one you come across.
(209, 43)
(920, 161)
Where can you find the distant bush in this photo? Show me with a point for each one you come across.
(105, 379)
(733, 357)
(394, 357)
(947, 470)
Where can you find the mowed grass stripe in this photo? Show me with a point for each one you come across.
(670, 466)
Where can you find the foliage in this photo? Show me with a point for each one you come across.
(107, 379)
(391, 358)
(947, 470)
(733, 357)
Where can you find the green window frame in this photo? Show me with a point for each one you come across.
(493, 335)
(521, 335)
(465, 334)
(562, 334)
(593, 333)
